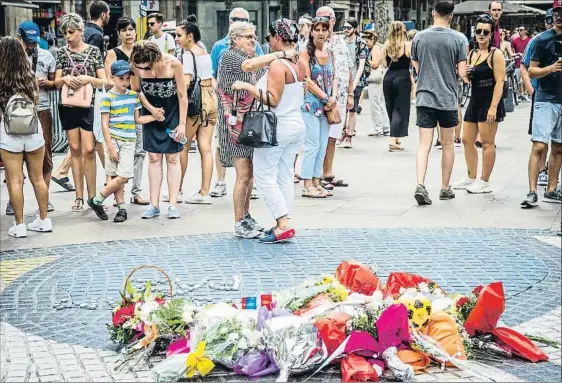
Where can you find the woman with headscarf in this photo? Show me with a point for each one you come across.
(273, 167)
(235, 67)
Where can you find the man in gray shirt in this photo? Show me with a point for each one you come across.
(438, 54)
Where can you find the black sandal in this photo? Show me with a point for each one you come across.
(336, 182)
(63, 182)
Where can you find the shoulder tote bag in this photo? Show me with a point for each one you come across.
(194, 100)
(259, 127)
(81, 97)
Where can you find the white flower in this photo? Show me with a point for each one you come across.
(377, 295)
(233, 337)
(423, 287)
(242, 344)
(246, 333)
(441, 304)
(146, 309)
(188, 314)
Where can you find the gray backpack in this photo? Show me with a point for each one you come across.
(20, 116)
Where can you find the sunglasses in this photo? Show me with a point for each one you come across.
(151, 24)
(347, 28)
(321, 19)
(482, 32)
(144, 68)
(242, 19)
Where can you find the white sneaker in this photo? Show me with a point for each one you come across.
(198, 199)
(219, 190)
(463, 183)
(479, 187)
(166, 197)
(18, 231)
(42, 225)
(254, 194)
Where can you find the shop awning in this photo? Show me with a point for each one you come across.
(475, 7)
(18, 3)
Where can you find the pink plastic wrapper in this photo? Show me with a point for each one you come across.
(179, 346)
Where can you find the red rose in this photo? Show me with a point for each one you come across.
(477, 290)
(123, 315)
(159, 300)
(462, 301)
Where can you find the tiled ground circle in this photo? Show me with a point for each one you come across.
(86, 277)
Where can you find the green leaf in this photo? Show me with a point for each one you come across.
(130, 289)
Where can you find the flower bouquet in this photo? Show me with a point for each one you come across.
(300, 297)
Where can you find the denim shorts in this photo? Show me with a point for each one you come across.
(547, 123)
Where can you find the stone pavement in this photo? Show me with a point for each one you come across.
(57, 289)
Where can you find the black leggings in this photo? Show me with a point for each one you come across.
(397, 88)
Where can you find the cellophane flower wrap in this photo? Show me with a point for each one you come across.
(358, 277)
(229, 333)
(294, 345)
(299, 297)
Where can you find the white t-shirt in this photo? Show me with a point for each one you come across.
(166, 42)
(204, 65)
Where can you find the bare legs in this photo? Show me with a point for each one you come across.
(14, 172)
(487, 133)
(538, 150)
(204, 139)
(242, 187)
(554, 162)
(328, 170)
(447, 156)
(83, 161)
(155, 176)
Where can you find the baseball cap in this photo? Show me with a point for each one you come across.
(369, 28)
(29, 32)
(556, 4)
(120, 67)
(548, 16)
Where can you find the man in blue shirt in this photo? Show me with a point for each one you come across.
(221, 46)
(99, 18)
(546, 65)
(237, 14)
(530, 86)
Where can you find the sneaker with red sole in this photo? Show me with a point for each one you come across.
(283, 237)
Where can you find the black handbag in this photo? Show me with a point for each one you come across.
(259, 127)
(194, 99)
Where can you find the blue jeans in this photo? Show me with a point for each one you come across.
(315, 143)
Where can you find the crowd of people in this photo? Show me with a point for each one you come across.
(157, 95)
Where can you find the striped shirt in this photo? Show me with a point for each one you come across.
(121, 109)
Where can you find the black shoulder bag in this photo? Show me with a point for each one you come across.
(259, 127)
(194, 101)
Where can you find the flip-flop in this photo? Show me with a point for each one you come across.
(63, 182)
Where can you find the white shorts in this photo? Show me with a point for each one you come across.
(126, 166)
(21, 144)
(336, 130)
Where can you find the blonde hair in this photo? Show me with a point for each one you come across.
(412, 34)
(396, 40)
(237, 28)
(71, 21)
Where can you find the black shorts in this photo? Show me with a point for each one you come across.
(73, 117)
(356, 96)
(430, 117)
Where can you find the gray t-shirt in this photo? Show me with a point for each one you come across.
(438, 51)
(352, 56)
(46, 65)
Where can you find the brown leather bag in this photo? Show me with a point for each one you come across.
(333, 116)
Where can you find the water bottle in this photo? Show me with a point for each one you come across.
(172, 134)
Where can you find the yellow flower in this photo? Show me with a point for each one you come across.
(198, 362)
(327, 280)
(338, 293)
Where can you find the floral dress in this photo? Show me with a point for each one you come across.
(337, 48)
(323, 76)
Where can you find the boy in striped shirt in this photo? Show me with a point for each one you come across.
(120, 112)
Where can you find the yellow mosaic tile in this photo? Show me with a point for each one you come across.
(11, 270)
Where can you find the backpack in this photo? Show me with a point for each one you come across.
(20, 116)
(359, 45)
(194, 94)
